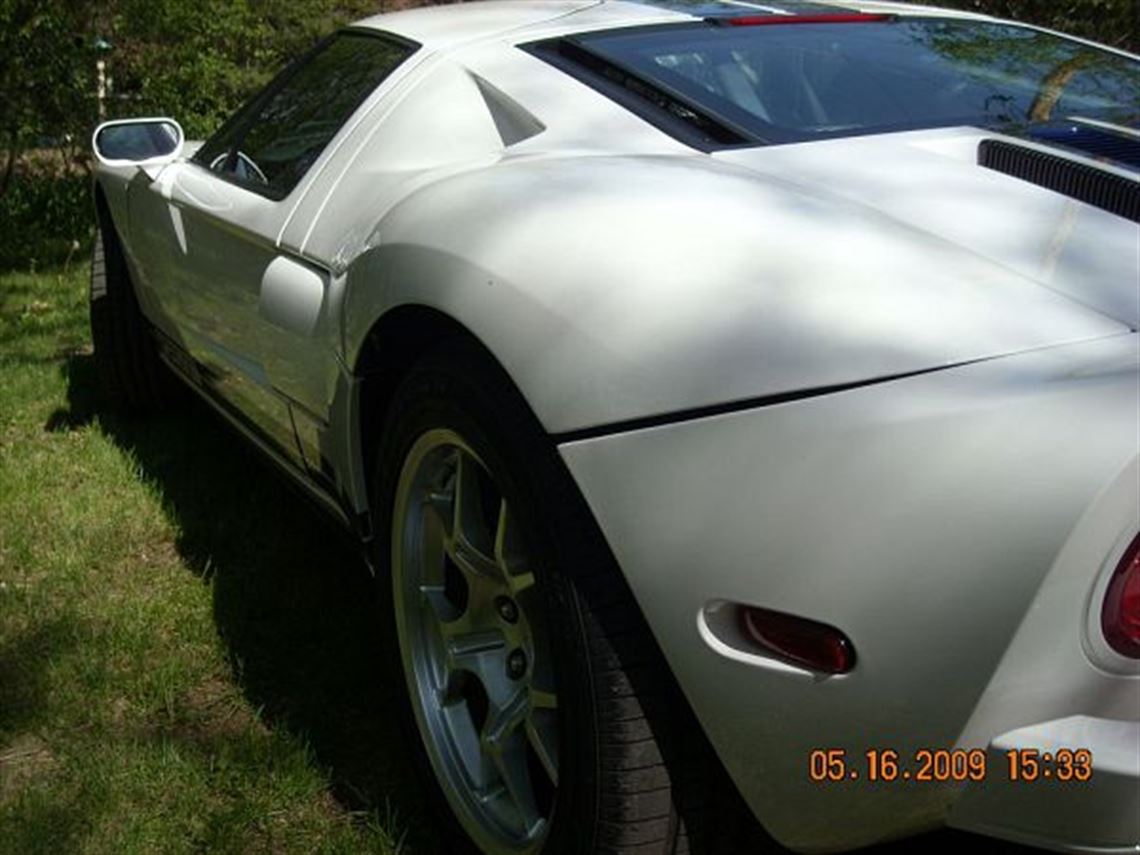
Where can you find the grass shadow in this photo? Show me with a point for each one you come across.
(31, 818)
(292, 598)
(44, 827)
(24, 663)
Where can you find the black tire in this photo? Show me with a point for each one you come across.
(134, 378)
(637, 774)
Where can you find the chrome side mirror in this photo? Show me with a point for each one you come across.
(137, 142)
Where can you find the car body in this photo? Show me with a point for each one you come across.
(863, 378)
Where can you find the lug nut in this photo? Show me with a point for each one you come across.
(516, 664)
(507, 609)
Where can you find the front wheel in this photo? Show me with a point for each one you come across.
(545, 714)
(133, 377)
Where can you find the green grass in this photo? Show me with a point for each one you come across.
(188, 652)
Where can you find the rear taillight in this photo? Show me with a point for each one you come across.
(1120, 614)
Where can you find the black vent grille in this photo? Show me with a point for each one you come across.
(1105, 190)
(1122, 148)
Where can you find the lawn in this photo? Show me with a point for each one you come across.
(187, 650)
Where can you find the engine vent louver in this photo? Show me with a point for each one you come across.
(1105, 190)
(1121, 147)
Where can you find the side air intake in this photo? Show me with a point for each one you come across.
(1105, 190)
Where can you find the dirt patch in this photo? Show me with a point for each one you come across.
(24, 761)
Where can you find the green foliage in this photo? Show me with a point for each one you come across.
(195, 62)
(198, 61)
(1111, 22)
(44, 69)
(46, 220)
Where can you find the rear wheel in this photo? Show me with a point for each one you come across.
(547, 719)
(133, 377)
(473, 637)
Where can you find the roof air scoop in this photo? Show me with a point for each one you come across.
(512, 120)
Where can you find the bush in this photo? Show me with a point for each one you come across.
(47, 219)
(1111, 22)
(195, 62)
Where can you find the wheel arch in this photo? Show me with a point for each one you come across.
(394, 343)
(106, 229)
(102, 209)
(109, 197)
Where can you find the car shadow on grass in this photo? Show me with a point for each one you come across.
(293, 599)
(295, 605)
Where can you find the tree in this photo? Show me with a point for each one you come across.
(197, 62)
(45, 74)
(1111, 22)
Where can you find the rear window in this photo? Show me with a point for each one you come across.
(790, 82)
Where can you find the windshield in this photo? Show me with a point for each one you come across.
(788, 82)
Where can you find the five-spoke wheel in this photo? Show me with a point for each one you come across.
(474, 644)
(540, 713)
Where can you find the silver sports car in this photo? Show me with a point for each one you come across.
(737, 402)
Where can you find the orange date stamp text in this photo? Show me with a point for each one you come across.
(948, 765)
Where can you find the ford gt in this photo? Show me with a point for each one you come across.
(737, 403)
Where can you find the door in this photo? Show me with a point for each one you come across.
(252, 315)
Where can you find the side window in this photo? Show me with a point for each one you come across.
(270, 143)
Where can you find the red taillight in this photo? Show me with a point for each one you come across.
(766, 20)
(1120, 614)
(799, 640)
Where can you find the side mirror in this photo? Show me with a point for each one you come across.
(137, 142)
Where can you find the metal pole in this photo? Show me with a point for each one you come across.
(101, 87)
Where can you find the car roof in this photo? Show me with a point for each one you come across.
(448, 26)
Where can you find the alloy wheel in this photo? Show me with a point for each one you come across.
(474, 645)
